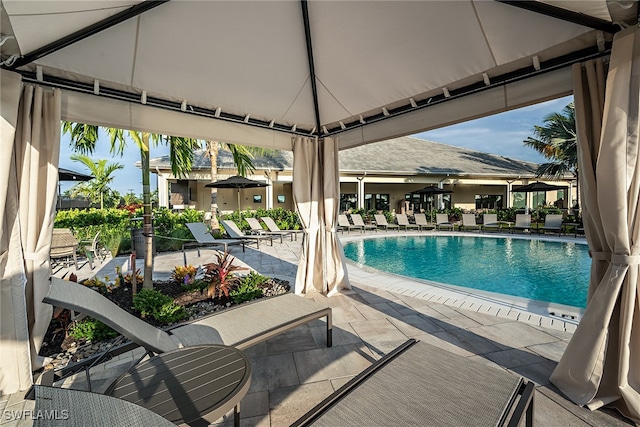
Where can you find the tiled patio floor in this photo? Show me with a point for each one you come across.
(295, 371)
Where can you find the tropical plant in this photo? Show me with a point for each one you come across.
(556, 140)
(184, 275)
(220, 276)
(91, 329)
(97, 187)
(84, 138)
(153, 303)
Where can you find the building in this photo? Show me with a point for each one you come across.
(372, 179)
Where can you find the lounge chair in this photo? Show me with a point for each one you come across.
(234, 233)
(469, 223)
(241, 326)
(419, 384)
(344, 224)
(272, 226)
(552, 222)
(204, 238)
(359, 222)
(421, 221)
(490, 221)
(442, 221)
(403, 221)
(64, 246)
(257, 228)
(95, 250)
(523, 222)
(381, 221)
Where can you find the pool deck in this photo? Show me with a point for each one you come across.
(294, 371)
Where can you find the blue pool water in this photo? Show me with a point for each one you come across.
(541, 270)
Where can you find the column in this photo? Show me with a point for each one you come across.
(163, 191)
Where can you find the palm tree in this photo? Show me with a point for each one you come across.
(556, 140)
(84, 138)
(96, 188)
(242, 158)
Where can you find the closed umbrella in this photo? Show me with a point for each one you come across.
(237, 182)
(432, 190)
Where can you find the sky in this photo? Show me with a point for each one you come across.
(500, 134)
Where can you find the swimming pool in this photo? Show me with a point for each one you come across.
(555, 272)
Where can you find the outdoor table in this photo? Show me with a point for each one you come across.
(575, 225)
(186, 384)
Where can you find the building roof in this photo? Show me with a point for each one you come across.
(411, 156)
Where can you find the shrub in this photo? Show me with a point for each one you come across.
(185, 275)
(245, 292)
(91, 330)
(219, 275)
(150, 302)
(197, 285)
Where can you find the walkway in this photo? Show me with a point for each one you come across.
(295, 371)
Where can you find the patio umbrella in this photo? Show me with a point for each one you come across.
(537, 186)
(69, 175)
(237, 182)
(432, 190)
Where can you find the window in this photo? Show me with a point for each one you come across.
(379, 202)
(347, 201)
(281, 198)
(519, 200)
(257, 198)
(488, 201)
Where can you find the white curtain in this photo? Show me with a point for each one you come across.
(28, 181)
(601, 364)
(316, 192)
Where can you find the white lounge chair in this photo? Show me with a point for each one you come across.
(442, 221)
(235, 233)
(204, 238)
(359, 222)
(421, 221)
(272, 226)
(403, 221)
(523, 222)
(344, 224)
(381, 221)
(490, 221)
(257, 228)
(469, 222)
(552, 222)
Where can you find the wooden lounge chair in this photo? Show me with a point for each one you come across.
(381, 221)
(235, 233)
(523, 223)
(344, 224)
(469, 222)
(442, 221)
(359, 222)
(418, 384)
(204, 238)
(403, 221)
(421, 221)
(490, 221)
(272, 226)
(552, 222)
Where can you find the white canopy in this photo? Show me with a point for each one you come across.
(334, 67)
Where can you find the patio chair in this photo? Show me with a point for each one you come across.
(469, 223)
(240, 326)
(552, 222)
(344, 224)
(64, 247)
(272, 226)
(490, 221)
(442, 221)
(421, 221)
(419, 384)
(235, 233)
(95, 250)
(523, 222)
(403, 221)
(359, 222)
(381, 221)
(204, 238)
(255, 226)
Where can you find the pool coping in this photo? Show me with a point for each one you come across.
(535, 312)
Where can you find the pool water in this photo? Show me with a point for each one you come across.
(555, 272)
